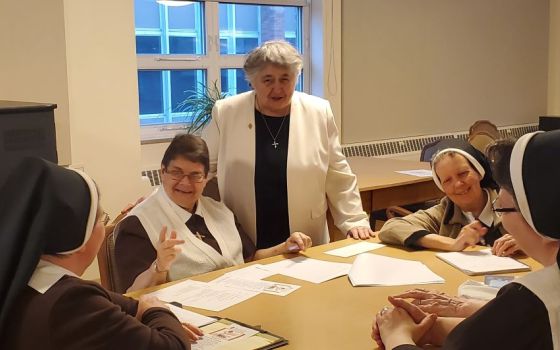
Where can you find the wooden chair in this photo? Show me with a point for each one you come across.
(482, 134)
(106, 255)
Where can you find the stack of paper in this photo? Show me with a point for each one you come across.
(377, 270)
(481, 262)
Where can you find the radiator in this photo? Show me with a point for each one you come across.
(405, 148)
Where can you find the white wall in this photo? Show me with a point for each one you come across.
(417, 67)
(33, 60)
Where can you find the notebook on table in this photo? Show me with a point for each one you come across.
(482, 262)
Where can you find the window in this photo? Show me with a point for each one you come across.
(182, 49)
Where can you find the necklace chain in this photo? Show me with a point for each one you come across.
(274, 143)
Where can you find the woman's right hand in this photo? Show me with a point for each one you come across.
(403, 324)
(441, 303)
(469, 236)
(167, 249)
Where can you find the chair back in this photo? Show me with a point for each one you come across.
(430, 149)
(106, 255)
(106, 262)
(485, 127)
(482, 134)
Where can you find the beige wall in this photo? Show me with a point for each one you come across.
(554, 60)
(432, 66)
(33, 60)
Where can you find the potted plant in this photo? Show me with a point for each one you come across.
(198, 105)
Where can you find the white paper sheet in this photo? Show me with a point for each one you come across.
(252, 272)
(482, 262)
(186, 316)
(312, 270)
(354, 249)
(416, 172)
(268, 287)
(203, 295)
(377, 270)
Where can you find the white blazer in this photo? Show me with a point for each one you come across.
(318, 175)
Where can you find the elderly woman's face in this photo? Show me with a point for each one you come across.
(274, 86)
(460, 182)
(184, 181)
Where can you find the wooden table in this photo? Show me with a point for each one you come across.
(333, 314)
(381, 187)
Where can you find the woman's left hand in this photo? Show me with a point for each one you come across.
(505, 246)
(395, 327)
(192, 331)
(360, 232)
(297, 242)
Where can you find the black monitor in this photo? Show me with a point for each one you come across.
(26, 129)
(548, 123)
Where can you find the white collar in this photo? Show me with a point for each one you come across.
(487, 214)
(46, 274)
(182, 213)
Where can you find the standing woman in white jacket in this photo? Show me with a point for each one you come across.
(278, 158)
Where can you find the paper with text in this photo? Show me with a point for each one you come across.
(252, 272)
(268, 287)
(203, 295)
(186, 316)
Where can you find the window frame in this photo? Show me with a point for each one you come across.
(212, 62)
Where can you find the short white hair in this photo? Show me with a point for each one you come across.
(276, 52)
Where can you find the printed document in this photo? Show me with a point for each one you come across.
(202, 295)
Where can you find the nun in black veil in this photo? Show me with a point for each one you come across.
(50, 232)
(526, 313)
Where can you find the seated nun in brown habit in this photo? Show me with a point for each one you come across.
(177, 232)
(51, 227)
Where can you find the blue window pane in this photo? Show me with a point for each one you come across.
(182, 45)
(148, 44)
(233, 81)
(146, 14)
(244, 45)
(150, 91)
(223, 46)
(246, 17)
(223, 18)
(292, 41)
(161, 91)
(292, 19)
(169, 30)
(183, 17)
(243, 27)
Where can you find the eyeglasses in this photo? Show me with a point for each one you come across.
(179, 176)
(500, 211)
(104, 218)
